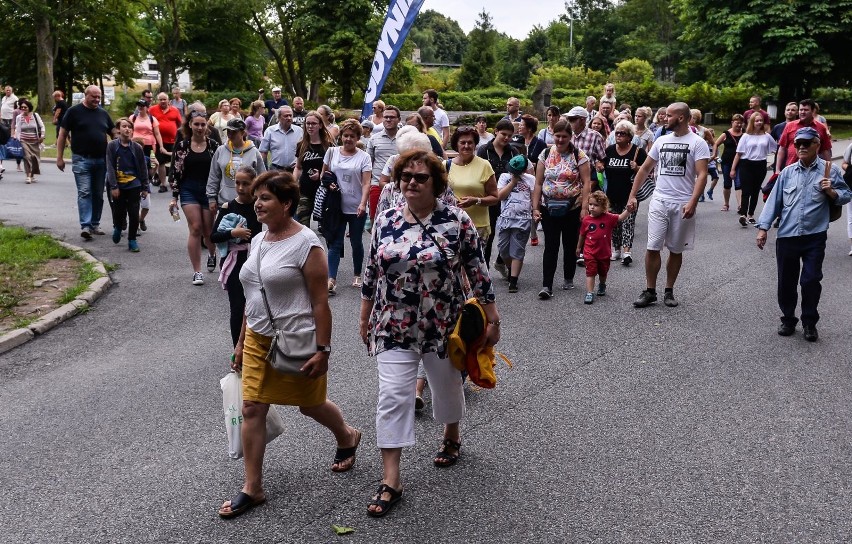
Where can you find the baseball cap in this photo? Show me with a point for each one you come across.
(276, 89)
(366, 123)
(806, 133)
(518, 164)
(236, 124)
(140, 103)
(577, 111)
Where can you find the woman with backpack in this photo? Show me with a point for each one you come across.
(410, 302)
(29, 130)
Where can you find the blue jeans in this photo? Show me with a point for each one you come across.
(335, 248)
(799, 261)
(90, 177)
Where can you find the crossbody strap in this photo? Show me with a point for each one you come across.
(456, 282)
(260, 280)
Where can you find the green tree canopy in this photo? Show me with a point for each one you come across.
(479, 67)
(439, 38)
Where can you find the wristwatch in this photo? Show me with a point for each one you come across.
(323, 349)
(479, 202)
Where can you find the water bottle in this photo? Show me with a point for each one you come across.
(173, 209)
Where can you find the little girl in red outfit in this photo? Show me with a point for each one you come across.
(595, 243)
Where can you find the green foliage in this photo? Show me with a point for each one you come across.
(479, 67)
(86, 274)
(635, 70)
(440, 80)
(569, 78)
(478, 100)
(440, 39)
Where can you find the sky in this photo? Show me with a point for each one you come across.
(507, 16)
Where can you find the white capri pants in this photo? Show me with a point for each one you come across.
(395, 408)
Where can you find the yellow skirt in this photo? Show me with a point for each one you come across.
(262, 383)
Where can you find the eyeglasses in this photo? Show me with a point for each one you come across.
(195, 114)
(804, 143)
(621, 133)
(311, 124)
(421, 178)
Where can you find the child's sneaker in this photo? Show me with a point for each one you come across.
(198, 278)
(601, 290)
(616, 255)
(513, 287)
(626, 259)
(545, 293)
(590, 298)
(133, 246)
(710, 194)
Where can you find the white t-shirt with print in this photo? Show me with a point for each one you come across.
(348, 170)
(676, 157)
(517, 205)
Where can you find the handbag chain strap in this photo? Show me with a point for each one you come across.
(456, 282)
(262, 290)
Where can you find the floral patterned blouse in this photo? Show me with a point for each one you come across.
(416, 299)
(391, 197)
(561, 173)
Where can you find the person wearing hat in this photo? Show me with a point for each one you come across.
(273, 105)
(514, 189)
(221, 183)
(367, 127)
(800, 199)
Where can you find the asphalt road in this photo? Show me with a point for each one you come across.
(692, 424)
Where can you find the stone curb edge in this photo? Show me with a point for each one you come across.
(84, 300)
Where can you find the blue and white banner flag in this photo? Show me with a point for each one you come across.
(400, 17)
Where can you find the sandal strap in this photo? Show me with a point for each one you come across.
(449, 443)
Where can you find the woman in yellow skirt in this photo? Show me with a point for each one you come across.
(295, 274)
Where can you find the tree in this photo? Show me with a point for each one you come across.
(440, 39)
(795, 45)
(479, 67)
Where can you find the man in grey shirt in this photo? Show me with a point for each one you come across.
(380, 147)
(280, 141)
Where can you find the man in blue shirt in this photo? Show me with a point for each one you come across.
(801, 199)
(273, 105)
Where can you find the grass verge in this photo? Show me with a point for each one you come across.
(22, 255)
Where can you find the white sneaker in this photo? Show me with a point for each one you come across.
(850, 252)
(198, 278)
(616, 255)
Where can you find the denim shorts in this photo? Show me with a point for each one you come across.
(193, 195)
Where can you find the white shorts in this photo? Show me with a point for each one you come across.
(667, 227)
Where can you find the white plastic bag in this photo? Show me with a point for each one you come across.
(232, 403)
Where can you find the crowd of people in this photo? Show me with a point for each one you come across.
(431, 201)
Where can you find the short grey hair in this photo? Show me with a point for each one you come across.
(626, 126)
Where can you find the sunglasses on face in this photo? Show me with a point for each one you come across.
(620, 133)
(407, 177)
(195, 114)
(804, 143)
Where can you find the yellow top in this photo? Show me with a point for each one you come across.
(469, 180)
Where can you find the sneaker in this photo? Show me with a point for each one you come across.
(742, 220)
(513, 287)
(850, 252)
(810, 332)
(601, 290)
(332, 287)
(96, 230)
(545, 294)
(198, 278)
(419, 403)
(534, 241)
(645, 299)
(627, 259)
(116, 235)
(701, 198)
(568, 285)
(356, 281)
(710, 194)
(29, 180)
(752, 221)
(211, 263)
(142, 225)
(133, 246)
(581, 261)
(86, 235)
(669, 299)
(590, 298)
(501, 268)
(616, 255)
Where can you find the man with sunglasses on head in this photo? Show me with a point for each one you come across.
(786, 145)
(800, 199)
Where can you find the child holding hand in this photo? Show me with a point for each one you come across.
(595, 243)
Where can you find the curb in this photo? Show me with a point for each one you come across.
(81, 302)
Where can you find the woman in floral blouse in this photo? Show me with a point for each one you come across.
(562, 176)
(411, 299)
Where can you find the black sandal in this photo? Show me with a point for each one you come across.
(444, 458)
(342, 454)
(241, 504)
(386, 506)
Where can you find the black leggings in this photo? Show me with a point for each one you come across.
(751, 175)
(564, 230)
(124, 207)
(493, 214)
(236, 297)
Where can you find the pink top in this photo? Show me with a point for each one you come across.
(143, 127)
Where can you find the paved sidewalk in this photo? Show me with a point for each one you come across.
(689, 424)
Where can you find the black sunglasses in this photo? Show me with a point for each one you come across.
(621, 133)
(418, 178)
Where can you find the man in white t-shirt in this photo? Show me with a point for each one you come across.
(442, 122)
(681, 159)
